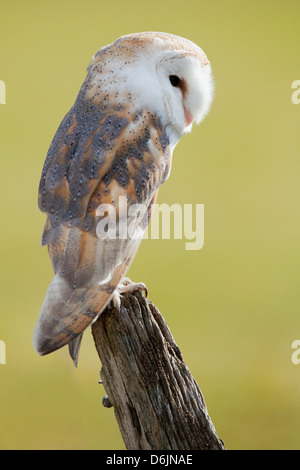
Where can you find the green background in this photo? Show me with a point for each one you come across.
(233, 307)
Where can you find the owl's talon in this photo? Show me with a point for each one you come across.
(126, 285)
(115, 301)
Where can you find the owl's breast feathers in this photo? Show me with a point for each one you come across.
(102, 150)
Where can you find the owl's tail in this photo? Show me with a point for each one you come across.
(66, 313)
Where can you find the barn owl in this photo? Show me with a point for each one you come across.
(141, 94)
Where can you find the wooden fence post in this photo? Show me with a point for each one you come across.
(157, 403)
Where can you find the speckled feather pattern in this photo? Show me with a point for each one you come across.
(110, 144)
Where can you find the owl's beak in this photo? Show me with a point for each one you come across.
(188, 117)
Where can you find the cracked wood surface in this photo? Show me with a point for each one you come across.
(157, 402)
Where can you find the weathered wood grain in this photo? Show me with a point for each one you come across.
(157, 403)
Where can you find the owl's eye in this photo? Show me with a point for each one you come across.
(175, 81)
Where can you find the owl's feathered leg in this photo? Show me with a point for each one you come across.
(126, 285)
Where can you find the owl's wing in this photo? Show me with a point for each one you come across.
(94, 159)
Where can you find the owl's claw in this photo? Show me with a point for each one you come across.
(126, 285)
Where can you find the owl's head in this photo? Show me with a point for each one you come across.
(162, 73)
